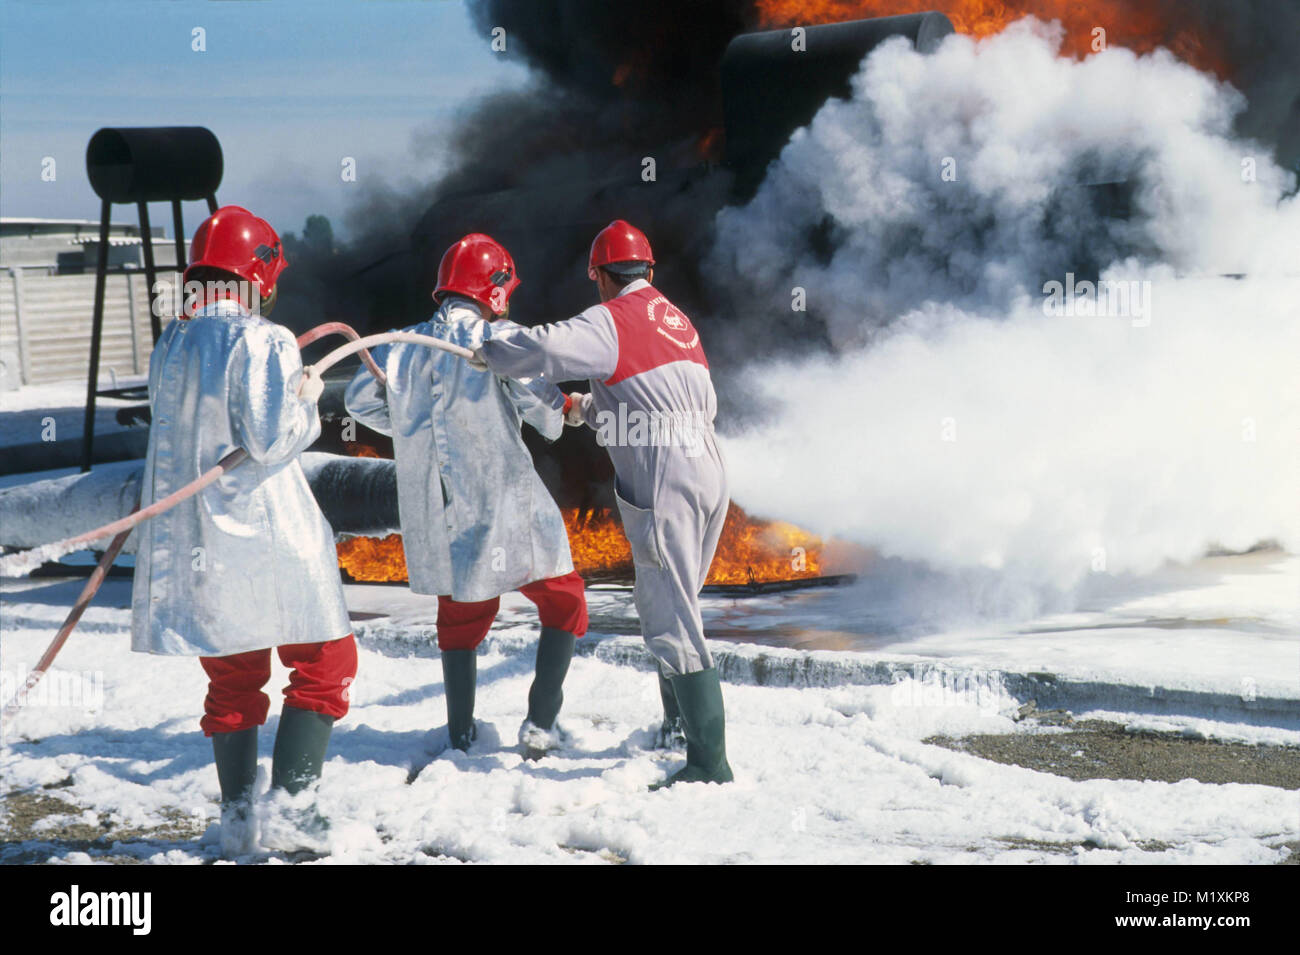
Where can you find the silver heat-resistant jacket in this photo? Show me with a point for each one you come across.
(477, 521)
(249, 562)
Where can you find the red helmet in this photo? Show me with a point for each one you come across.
(235, 240)
(619, 242)
(478, 267)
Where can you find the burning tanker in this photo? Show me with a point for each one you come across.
(1089, 25)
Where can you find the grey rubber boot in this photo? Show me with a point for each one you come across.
(459, 675)
(699, 695)
(236, 757)
(672, 732)
(546, 695)
(300, 745)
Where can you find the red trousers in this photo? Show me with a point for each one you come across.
(319, 679)
(561, 603)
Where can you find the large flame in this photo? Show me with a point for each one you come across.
(749, 551)
(373, 559)
(1139, 25)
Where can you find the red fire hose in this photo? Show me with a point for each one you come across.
(121, 528)
(338, 328)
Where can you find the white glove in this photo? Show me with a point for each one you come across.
(579, 405)
(477, 361)
(311, 386)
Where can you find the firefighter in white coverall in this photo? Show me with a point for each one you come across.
(477, 521)
(248, 563)
(652, 405)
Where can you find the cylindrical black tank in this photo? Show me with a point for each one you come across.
(770, 89)
(154, 163)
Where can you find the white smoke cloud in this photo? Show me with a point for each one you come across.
(960, 424)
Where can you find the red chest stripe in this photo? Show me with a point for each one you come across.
(652, 331)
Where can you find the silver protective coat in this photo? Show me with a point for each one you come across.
(477, 521)
(249, 562)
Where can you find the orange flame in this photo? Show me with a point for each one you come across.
(358, 450)
(373, 559)
(749, 551)
(1139, 25)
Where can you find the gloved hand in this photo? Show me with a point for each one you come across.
(576, 407)
(311, 386)
(477, 361)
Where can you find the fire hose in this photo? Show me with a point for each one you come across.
(25, 561)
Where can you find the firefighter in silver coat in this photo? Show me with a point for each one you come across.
(477, 521)
(652, 404)
(248, 563)
(467, 488)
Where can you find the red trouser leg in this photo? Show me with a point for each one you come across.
(320, 674)
(462, 625)
(235, 699)
(561, 602)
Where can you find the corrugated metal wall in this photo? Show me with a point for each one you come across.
(56, 312)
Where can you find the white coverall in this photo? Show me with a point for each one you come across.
(653, 407)
(477, 521)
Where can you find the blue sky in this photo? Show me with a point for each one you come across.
(290, 87)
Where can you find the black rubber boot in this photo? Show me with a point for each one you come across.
(459, 674)
(546, 695)
(699, 696)
(300, 745)
(672, 732)
(236, 757)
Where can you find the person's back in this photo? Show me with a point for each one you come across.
(652, 405)
(221, 381)
(652, 399)
(477, 521)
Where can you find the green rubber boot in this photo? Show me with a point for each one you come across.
(459, 674)
(540, 734)
(236, 757)
(699, 695)
(546, 695)
(300, 745)
(672, 732)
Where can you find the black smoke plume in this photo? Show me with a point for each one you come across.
(543, 168)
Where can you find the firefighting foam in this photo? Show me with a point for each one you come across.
(961, 423)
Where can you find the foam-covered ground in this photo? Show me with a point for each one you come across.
(56, 411)
(835, 774)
